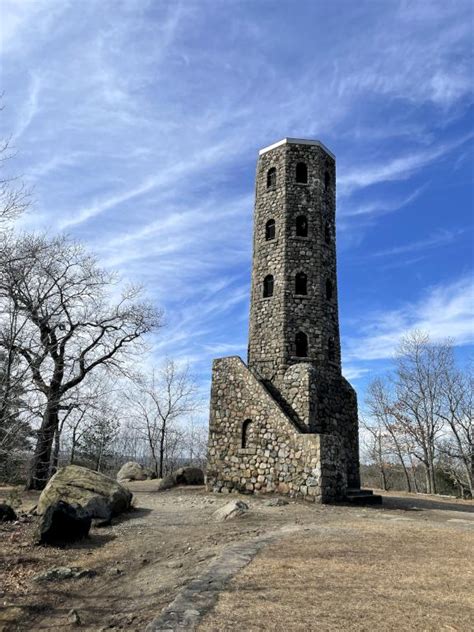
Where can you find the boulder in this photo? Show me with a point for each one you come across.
(7, 513)
(59, 573)
(62, 522)
(234, 509)
(99, 495)
(183, 476)
(132, 471)
(276, 502)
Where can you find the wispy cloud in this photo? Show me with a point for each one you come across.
(378, 207)
(440, 238)
(399, 168)
(29, 109)
(445, 311)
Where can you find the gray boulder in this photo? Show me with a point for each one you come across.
(61, 523)
(234, 509)
(63, 572)
(276, 502)
(132, 471)
(99, 495)
(183, 476)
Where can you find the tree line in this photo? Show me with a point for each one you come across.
(72, 335)
(420, 419)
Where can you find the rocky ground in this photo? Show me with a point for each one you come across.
(170, 565)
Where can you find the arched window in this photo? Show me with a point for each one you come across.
(301, 173)
(301, 226)
(271, 178)
(268, 286)
(270, 230)
(327, 180)
(301, 344)
(246, 432)
(329, 290)
(327, 233)
(301, 283)
(331, 349)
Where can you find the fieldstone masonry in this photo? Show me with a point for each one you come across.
(287, 421)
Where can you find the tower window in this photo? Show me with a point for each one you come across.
(270, 230)
(246, 427)
(327, 180)
(268, 286)
(331, 349)
(327, 233)
(302, 173)
(301, 226)
(301, 283)
(301, 344)
(271, 178)
(329, 290)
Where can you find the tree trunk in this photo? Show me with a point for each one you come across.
(383, 478)
(39, 473)
(55, 459)
(162, 452)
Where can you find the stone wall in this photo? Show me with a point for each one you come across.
(278, 456)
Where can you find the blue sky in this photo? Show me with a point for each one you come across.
(138, 124)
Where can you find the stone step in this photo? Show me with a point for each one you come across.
(363, 497)
(359, 492)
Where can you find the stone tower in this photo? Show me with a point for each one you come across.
(287, 421)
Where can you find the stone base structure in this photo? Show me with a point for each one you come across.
(287, 421)
(281, 455)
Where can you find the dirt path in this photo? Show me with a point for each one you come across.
(170, 556)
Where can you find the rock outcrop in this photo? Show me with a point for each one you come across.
(183, 476)
(132, 471)
(62, 522)
(234, 509)
(7, 513)
(99, 495)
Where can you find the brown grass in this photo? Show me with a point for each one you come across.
(362, 576)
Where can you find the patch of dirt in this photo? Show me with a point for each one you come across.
(153, 555)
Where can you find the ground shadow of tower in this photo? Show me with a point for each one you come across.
(287, 421)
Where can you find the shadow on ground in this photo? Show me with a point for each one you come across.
(424, 504)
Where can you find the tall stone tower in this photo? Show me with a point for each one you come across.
(295, 247)
(287, 421)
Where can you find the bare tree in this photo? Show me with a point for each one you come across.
(419, 369)
(377, 451)
(390, 432)
(14, 196)
(158, 402)
(73, 327)
(425, 411)
(457, 412)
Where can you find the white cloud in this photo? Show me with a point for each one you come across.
(444, 311)
(440, 238)
(399, 168)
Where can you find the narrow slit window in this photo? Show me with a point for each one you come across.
(268, 286)
(301, 283)
(301, 345)
(327, 181)
(270, 230)
(327, 233)
(329, 290)
(246, 427)
(271, 178)
(302, 173)
(301, 226)
(331, 349)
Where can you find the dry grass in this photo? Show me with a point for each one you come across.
(363, 575)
